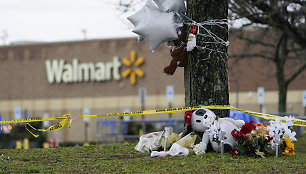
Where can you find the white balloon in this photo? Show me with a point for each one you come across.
(159, 4)
(136, 18)
(157, 27)
(171, 5)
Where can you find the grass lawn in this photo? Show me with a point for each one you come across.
(124, 159)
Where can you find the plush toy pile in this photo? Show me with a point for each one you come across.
(206, 132)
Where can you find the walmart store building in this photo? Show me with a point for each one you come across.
(104, 76)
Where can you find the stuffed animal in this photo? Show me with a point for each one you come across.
(178, 54)
(202, 119)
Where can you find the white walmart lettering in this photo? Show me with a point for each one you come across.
(59, 71)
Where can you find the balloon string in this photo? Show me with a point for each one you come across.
(216, 40)
(217, 22)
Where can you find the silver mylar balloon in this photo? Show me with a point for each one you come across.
(159, 4)
(171, 5)
(157, 27)
(136, 18)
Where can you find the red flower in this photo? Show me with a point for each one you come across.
(187, 118)
(235, 133)
(238, 135)
(248, 127)
(234, 152)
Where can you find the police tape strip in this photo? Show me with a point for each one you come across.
(67, 118)
(60, 125)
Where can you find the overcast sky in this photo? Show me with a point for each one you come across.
(61, 20)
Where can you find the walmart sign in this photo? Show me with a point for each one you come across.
(60, 71)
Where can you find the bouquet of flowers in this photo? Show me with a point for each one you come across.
(281, 131)
(262, 140)
(251, 139)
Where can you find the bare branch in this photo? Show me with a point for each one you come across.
(279, 14)
(257, 41)
(255, 55)
(300, 70)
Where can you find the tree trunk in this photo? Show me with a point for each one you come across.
(282, 87)
(282, 98)
(281, 83)
(206, 80)
(280, 74)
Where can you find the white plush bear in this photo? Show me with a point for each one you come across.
(202, 119)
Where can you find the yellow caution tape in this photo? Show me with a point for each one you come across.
(64, 119)
(31, 120)
(296, 122)
(60, 125)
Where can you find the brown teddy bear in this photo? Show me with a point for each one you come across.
(178, 54)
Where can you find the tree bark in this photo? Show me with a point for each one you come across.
(282, 54)
(206, 80)
(282, 98)
(282, 87)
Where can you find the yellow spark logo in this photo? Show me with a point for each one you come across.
(133, 69)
